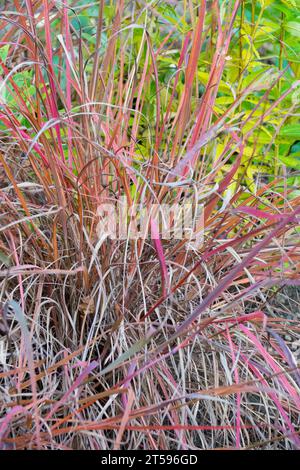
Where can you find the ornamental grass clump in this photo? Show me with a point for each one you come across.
(120, 330)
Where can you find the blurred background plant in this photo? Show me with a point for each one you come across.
(148, 344)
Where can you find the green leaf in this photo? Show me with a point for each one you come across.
(4, 52)
(290, 130)
(291, 162)
(293, 27)
(4, 259)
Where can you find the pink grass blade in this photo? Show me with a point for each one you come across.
(160, 254)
